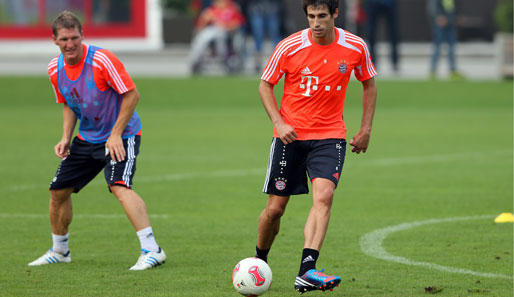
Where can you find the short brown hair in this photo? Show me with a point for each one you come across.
(67, 20)
(330, 4)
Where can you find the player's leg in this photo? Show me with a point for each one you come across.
(285, 176)
(74, 172)
(324, 165)
(269, 224)
(319, 215)
(119, 177)
(315, 230)
(61, 214)
(133, 205)
(60, 210)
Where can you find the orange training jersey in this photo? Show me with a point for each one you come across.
(315, 81)
(108, 72)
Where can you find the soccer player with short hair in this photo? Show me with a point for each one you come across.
(94, 87)
(310, 134)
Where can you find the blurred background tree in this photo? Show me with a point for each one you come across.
(504, 16)
(179, 6)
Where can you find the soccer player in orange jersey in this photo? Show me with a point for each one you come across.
(94, 87)
(310, 134)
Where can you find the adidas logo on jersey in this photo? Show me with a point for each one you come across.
(306, 71)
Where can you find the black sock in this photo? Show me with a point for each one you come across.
(262, 254)
(309, 258)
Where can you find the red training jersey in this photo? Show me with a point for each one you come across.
(315, 81)
(228, 16)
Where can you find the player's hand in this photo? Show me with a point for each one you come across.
(62, 149)
(360, 142)
(286, 133)
(114, 147)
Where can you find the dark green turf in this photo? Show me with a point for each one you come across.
(438, 150)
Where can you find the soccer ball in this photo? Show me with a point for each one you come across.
(251, 277)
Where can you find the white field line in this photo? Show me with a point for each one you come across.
(371, 245)
(76, 216)
(262, 171)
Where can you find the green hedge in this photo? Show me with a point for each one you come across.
(504, 15)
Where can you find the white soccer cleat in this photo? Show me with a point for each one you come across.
(51, 257)
(149, 260)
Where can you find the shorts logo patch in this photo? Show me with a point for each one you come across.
(336, 175)
(280, 183)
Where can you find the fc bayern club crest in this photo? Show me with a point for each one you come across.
(343, 68)
(280, 185)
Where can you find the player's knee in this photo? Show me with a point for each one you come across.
(324, 197)
(324, 191)
(275, 212)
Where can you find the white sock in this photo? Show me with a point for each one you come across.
(60, 243)
(147, 240)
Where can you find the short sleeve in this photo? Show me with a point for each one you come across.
(274, 70)
(365, 69)
(52, 73)
(111, 72)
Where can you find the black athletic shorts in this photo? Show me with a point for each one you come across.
(288, 164)
(87, 159)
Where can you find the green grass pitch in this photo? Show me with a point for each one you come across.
(439, 150)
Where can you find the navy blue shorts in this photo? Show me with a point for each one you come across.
(87, 159)
(288, 165)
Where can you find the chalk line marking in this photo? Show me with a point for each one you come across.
(262, 171)
(371, 245)
(76, 216)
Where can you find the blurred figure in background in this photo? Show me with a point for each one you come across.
(376, 9)
(355, 17)
(219, 23)
(264, 19)
(442, 17)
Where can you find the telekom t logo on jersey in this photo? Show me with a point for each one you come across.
(309, 83)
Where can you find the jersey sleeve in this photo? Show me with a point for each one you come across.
(110, 72)
(52, 73)
(274, 69)
(365, 69)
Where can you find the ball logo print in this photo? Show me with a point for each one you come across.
(251, 277)
(236, 269)
(254, 271)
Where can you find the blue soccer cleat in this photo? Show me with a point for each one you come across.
(316, 280)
